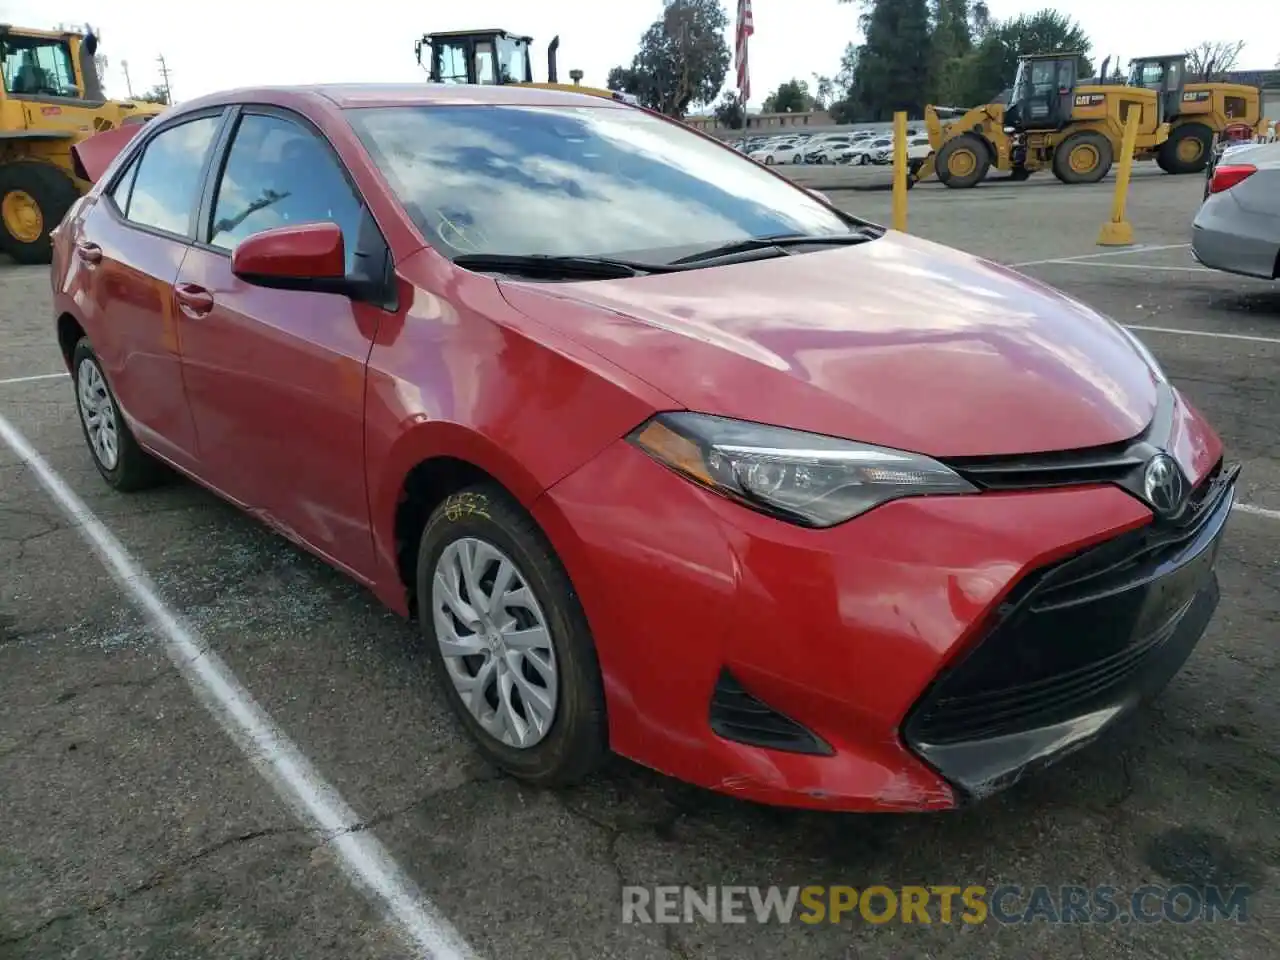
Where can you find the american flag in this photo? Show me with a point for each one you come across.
(745, 29)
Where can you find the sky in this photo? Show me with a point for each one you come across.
(230, 43)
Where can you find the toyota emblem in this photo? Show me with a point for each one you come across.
(1163, 486)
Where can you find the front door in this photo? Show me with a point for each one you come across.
(276, 378)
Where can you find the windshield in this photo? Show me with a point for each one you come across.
(577, 181)
(38, 66)
(1149, 74)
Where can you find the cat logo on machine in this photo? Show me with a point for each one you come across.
(1195, 96)
(1089, 99)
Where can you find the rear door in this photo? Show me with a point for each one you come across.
(131, 244)
(276, 377)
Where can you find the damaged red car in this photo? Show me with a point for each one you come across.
(666, 455)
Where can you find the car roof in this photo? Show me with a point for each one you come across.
(404, 94)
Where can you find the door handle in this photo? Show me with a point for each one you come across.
(193, 300)
(89, 252)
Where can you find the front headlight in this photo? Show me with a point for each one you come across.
(1145, 353)
(806, 478)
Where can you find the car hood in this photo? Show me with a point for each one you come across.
(898, 342)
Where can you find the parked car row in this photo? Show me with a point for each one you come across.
(856, 147)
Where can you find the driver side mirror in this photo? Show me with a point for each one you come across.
(308, 256)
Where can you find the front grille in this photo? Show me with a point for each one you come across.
(1073, 637)
(737, 715)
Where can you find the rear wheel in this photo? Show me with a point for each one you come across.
(1187, 150)
(116, 454)
(963, 161)
(1083, 157)
(34, 197)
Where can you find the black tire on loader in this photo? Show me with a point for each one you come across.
(1083, 157)
(1187, 150)
(963, 161)
(34, 197)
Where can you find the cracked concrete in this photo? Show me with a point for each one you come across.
(132, 827)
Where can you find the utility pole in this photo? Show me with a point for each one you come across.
(164, 76)
(128, 84)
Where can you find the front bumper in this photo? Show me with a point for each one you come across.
(809, 667)
(1077, 645)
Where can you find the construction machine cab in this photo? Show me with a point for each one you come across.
(1166, 76)
(49, 65)
(1043, 91)
(481, 57)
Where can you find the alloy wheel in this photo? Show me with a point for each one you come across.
(98, 413)
(497, 647)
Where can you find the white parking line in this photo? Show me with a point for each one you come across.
(1189, 268)
(1258, 511)
(42, 376)
(1127, 252)
(316, 804)
(1204, 333)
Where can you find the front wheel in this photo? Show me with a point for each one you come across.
(509, 640)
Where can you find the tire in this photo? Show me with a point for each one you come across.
(1187, 150)
(1086, 142)
(863, 159)
(34, 197)
(769, 160)
(963, 161)
(130, 468)
(573, 742)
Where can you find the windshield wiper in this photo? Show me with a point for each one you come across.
(549, 265)
(780, 240)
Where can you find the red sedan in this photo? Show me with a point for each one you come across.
(668, 456)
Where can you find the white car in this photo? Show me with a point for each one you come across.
(865, 152)
(785, 152)
(918, 148)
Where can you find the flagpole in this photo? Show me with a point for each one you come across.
(745, 28)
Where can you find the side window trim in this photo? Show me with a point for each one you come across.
(203, 232)
(129, 174)
(133, 166)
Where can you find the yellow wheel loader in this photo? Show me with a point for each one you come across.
(1198, 113)
(1050, 122)
(51, 99)
(495, 57)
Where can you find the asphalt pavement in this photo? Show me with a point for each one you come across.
(133, 825)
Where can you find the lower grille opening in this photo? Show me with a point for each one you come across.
(1080, 634)
(738, 716)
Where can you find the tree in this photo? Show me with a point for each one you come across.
(157, 94)
(790, 97)
(895, 60)
(991, 66)
(823, 92)
(1209, 60)
(952, 41)
(730, 111)
(683, 58)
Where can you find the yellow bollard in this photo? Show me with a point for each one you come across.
(1118, 232)
(900, 171)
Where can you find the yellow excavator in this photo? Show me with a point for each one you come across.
(1052, 120)
(50, 100)
(495, 57)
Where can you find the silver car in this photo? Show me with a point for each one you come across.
(1237, 228)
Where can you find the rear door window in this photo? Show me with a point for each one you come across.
(166, 187)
